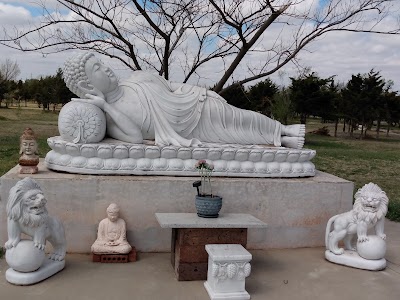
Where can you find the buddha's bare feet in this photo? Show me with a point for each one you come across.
(292, 142)
(296, 130)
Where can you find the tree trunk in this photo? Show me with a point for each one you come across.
(344, 125)
(303, 118)
(378, 128)
(336, 126)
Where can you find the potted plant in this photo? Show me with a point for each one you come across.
(207, 204)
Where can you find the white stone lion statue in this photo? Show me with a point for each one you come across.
(27, 213)
(369, 211)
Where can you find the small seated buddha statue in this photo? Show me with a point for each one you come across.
(111, 234)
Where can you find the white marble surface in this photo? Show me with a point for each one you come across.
(147, 106)
(25, 257)
(191, 220)
(49, 268)
(227, 252)
(228, 268)
(115, 157)
(352, 259)
(225, 295)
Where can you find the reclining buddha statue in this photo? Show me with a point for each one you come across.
(146, 124)
(146, 106)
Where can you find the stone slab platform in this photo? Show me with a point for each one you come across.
(191, 220)
(295, 209)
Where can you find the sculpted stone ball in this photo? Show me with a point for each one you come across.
(374, 248)
(25, 257)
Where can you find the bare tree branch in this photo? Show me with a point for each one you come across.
(183, 36)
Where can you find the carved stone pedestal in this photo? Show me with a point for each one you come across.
(228, 266)
(115, 258)
(28, 169)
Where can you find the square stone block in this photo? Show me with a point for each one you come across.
(228, 267)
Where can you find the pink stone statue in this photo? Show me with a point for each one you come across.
(111, 235)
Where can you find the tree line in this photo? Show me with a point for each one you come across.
(46, 91)
(365, 100)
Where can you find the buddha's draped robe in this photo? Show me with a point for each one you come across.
(186, 115)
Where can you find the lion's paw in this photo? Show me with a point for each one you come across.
(56, 257)
(40, 246)
(339, 251)
(8, 245)
(362, 239)
(12, 243)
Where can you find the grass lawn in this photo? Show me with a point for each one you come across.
(360, 161)
(13, 121)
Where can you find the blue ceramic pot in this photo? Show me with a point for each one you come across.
(207, 206)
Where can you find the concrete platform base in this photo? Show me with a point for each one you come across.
(295, 209)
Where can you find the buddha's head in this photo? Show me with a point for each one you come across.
(113, 212)
(85, 69)
(28, 144)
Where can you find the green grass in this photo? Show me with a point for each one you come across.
(360, 161)
(13, 121)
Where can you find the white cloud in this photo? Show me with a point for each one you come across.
(13, 15)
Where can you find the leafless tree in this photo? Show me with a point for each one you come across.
(251, 39)
(9, 70)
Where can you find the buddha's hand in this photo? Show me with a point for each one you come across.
(86, 88)
(112, 243)
(95, 100)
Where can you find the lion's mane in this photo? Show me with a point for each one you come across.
(17, 211)
(370, 217)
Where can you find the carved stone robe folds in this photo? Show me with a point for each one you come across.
(186, 115)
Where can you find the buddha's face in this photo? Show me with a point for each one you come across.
(112, 215)
(100, 76)
(29, 147)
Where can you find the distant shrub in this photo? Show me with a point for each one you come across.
(321, 131)
(394, 211)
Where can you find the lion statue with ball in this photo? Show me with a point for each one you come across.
(369, 211)
(27, 213)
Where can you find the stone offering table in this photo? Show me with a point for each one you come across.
(191, 233)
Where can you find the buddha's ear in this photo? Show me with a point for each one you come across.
(85, 87)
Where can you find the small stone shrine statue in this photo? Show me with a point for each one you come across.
(28, 159)
(111, 239)
(369, 211)
(27, 213)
